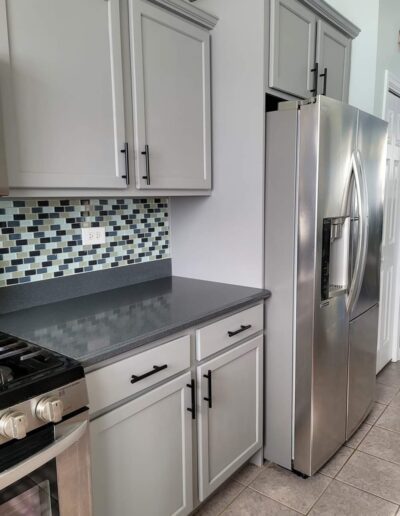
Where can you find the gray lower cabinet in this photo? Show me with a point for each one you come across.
(142, 455)
(186, 427)
(229, 412)
(309, 49)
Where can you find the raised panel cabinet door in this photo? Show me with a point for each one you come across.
(292, 48)
(142, 455)
(62, 94)
(171, 89)
(229, 413)
(333, 57)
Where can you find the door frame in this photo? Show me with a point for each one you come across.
(392, 85)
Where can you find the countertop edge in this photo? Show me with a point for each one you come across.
(90, 361)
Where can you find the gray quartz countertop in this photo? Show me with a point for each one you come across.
(100, 326)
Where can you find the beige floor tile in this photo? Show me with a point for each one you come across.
(396, 401)
(376, 411)
(221, 499)
(251, 503)
(355, 441)
(290, 489)
(390, 419)
(247, 474)
(385, 393)
(332, 468)
(390, 375)
(382, 443)
(344, 500)
(374, 475)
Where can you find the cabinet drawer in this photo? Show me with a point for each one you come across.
(224, 333)
(114, 382)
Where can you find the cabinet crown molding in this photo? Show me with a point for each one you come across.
(334, 16)
(188, 11)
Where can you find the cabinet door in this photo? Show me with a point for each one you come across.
(62, 95)
(230, 425)
(292, 47)
(333, 56)
(171, 79)
(142, 455)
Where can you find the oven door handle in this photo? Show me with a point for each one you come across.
(21, 470)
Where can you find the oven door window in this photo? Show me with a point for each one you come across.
(36, 494)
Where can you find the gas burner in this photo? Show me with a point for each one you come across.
(13, 347)
(26, 370)
(6, 375)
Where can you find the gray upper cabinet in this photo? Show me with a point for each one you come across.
(88, 87)
(309, 49)
(171, 87)
(62, 94)
(333, 57)
(292, 48)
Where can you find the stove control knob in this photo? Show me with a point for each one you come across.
(50, 409)
(13, 425)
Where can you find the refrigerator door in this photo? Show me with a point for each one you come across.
(364, 310)
(363, 337)
(327, 140)
(371, 144)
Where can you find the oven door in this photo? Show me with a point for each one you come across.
(48, 472)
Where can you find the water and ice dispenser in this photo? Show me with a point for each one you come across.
(335, 257)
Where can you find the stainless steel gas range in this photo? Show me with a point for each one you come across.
(44, 429)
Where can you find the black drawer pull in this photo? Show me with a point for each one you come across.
(156, 369)
(193, 394)
(242, 328)
(209, 397)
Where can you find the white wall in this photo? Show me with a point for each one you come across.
(364, 14)
(388, 57)
(220, 237)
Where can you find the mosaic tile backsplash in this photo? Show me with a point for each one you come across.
(42, 239)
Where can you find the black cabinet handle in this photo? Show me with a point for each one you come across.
(242, 328)
(146, 153)
(325, 76)
(193, 395)
(315, 70)
(156, 369)
(125, 151)
(209, 397)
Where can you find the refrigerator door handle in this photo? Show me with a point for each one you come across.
(361, 252)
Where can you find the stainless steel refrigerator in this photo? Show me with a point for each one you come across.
(325, 165)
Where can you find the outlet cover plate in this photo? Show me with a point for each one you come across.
(93, 236)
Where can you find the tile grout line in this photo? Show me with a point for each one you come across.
(380, 458)
(276, 501)
(320, 496)
(387, 429)
(233, 499)
(343, 465)
(244, 488)
(367, 492)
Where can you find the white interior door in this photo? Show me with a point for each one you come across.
(389, 296)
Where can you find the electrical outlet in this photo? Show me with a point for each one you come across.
(93, 236)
